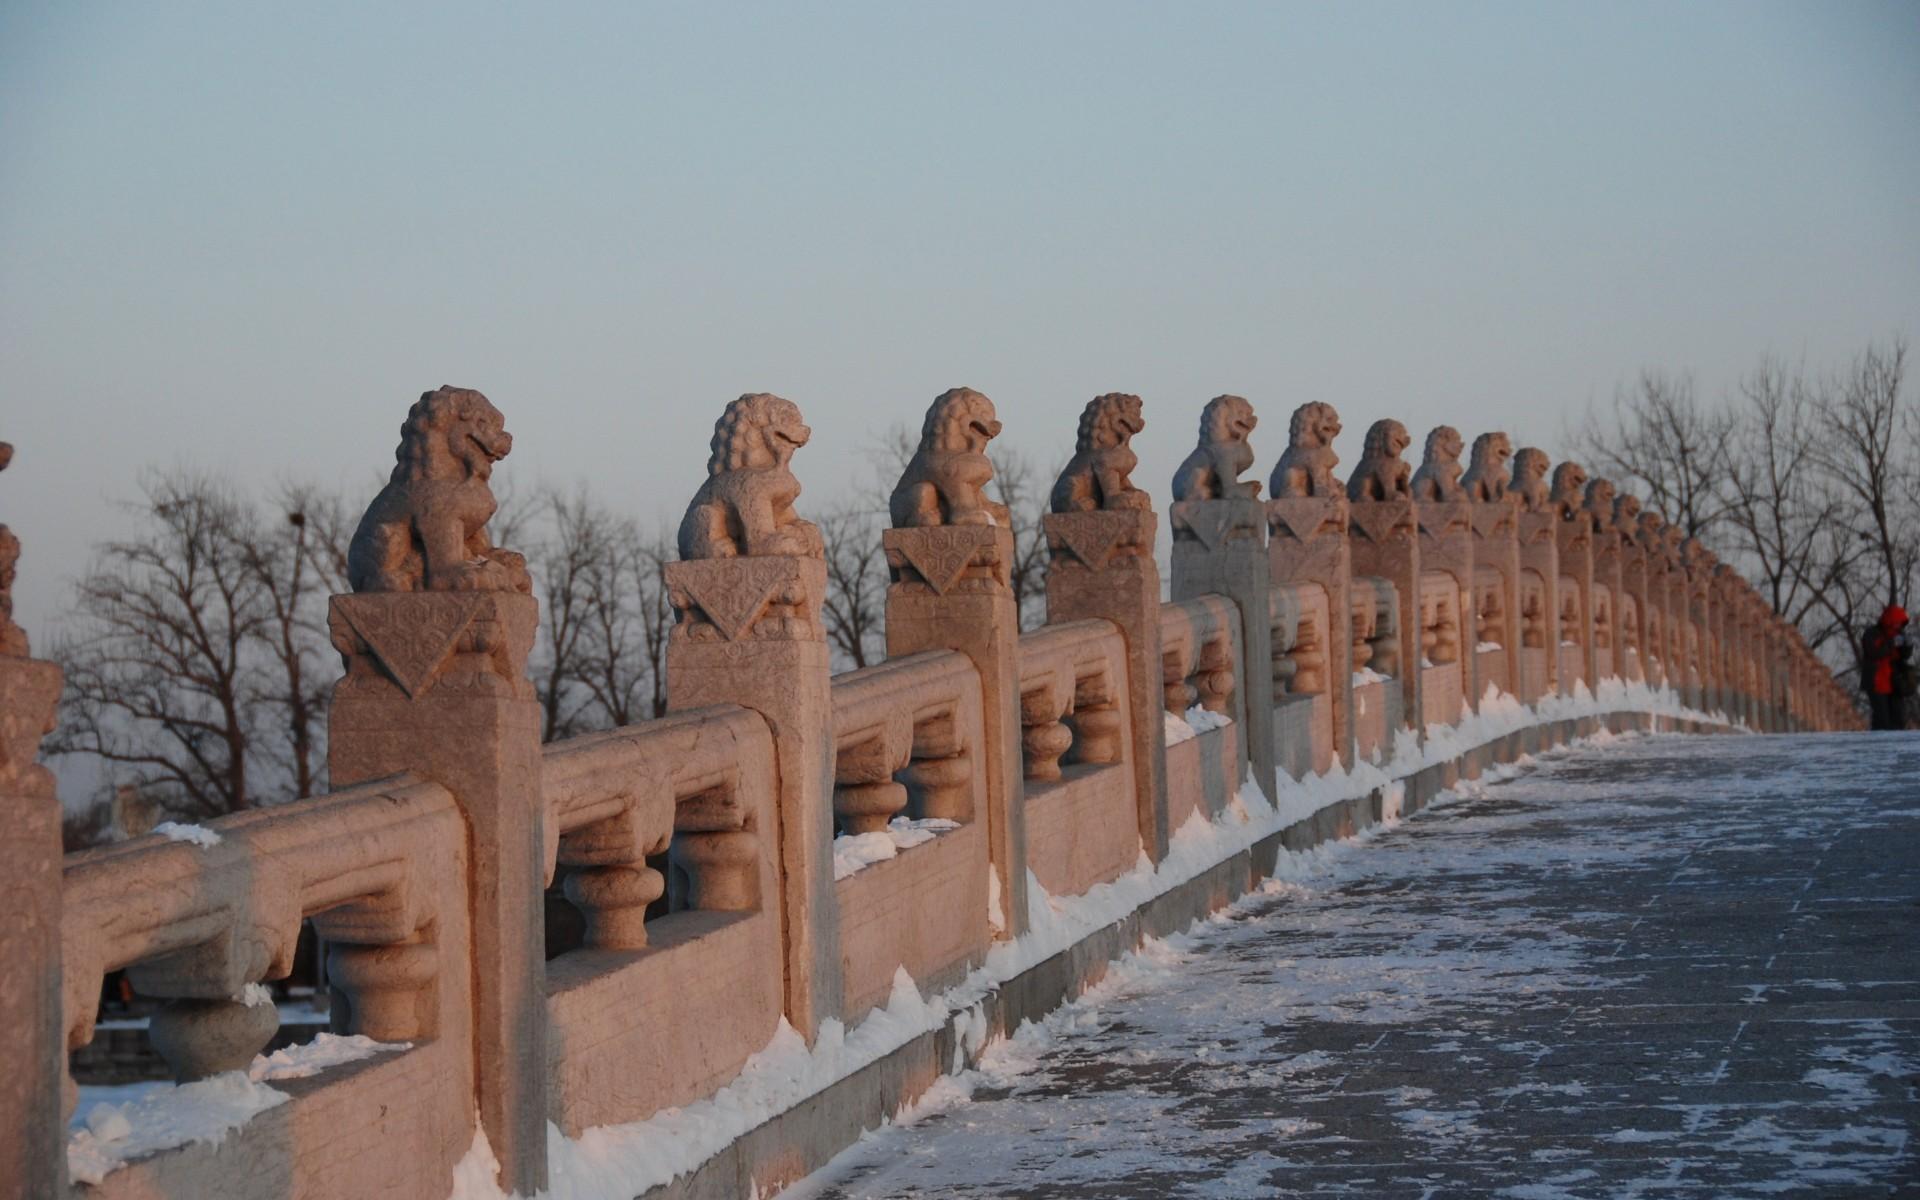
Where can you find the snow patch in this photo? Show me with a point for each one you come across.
(854, 851)
(199, 835)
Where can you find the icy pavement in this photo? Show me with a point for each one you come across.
(1672, 966)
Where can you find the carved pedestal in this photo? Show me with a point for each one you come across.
(951, 591)
(1633, 631)
(1102, 566)
(436, 685)
(1609, 581)
(1385, 542)
(1540, 557)
(1446, 546)
(1573, 537)
(1496, 549)
(1220, 547)
(1307, 543)
(33, 1137)
(749, 633)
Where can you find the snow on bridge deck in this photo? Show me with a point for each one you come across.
(1671, 966)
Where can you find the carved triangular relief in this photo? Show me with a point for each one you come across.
(1378, 522)
(1097, 538)
(412, 634)
(731, 593)
(1307, 517)
(944, 556)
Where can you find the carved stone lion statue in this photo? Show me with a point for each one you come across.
(1600, 500)
(427, 529)
(1626, 513)
(1529, 488)
(1486, 479)
(13, 639)
(745, 507)
(1306, 466)
(1381, 474)
(1212, 471)
(1569, 489)
(945, 480)
(1438, 479)
(1096, 476)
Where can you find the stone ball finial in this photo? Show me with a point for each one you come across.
(1486, 478)
(1097, 476)
(1438, 479)
(945, 481)
(427, 529)
(1212, 470)
(1529, 488)
(1381, 475)
(1306, 466)
(745, 506)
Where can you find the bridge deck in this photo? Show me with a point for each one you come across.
(1674, 967)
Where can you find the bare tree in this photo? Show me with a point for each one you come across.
(856, 601)
(1665, 444)
(159, 664)
(1868, 451)
(575, 568)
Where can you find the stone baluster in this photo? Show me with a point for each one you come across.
(1099, 727)
(36, 1095)
(1044, 737)
(436, 638)
(1219, 531)
(1100, 538)
(949, 554)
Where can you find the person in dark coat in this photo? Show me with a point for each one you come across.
(1886, 669)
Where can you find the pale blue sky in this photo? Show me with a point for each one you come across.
(247, 236)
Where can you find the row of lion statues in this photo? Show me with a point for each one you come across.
(426, 530)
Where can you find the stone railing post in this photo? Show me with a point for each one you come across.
(1537, 531)
(1573, 538)
(1608, 581)
(1100, 538)
(435, 641)
(1496, 548)
(1384, 541)
(747, 595)
(1307, 543)
(1219, 533)
(33, 1127)
(949, 557)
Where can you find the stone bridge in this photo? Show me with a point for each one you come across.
(808, 897)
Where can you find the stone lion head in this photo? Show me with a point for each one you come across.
(1530, 464)
(1108, 421)
(451, 429)
(1386, 438)
(1444, 444)
(1569, 482)
(960, 421)
(1226, 419)
(1491, 452)
(757, 432)
(1314, 425)
(1626, 510)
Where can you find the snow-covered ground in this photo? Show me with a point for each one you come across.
(1672, 966)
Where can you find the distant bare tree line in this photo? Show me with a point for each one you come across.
(1808, 481)
(198, 661)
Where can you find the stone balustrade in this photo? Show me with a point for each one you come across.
(786, 842)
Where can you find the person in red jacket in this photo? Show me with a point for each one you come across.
(1886, 675)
